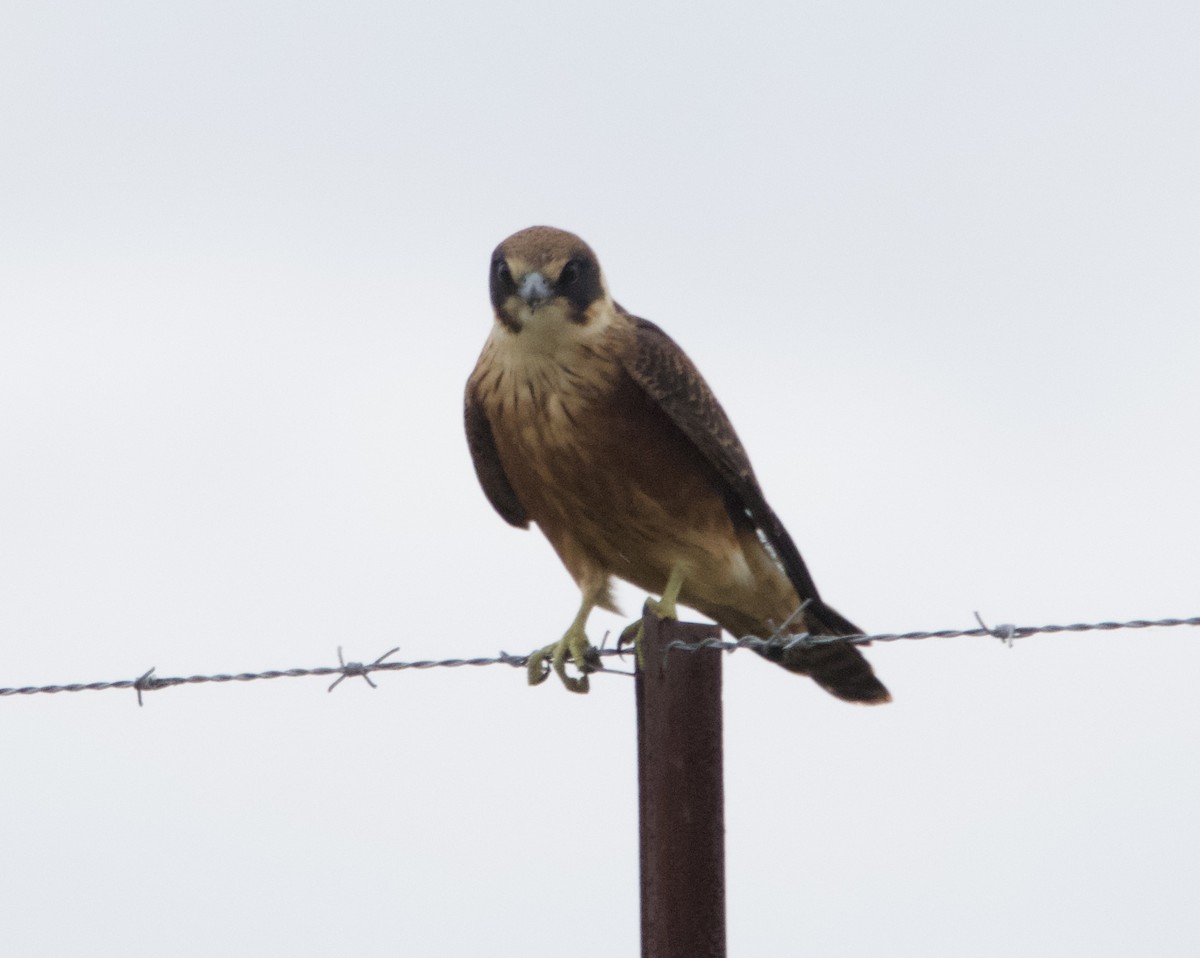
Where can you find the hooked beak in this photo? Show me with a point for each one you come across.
(534, 289)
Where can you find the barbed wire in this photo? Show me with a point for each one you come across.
(149, 682)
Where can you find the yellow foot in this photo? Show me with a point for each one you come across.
(663, 608)
(574, 644)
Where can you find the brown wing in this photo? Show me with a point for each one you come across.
(664, 371)
(488, 468)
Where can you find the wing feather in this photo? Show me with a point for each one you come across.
(665, 373)
(488, 467)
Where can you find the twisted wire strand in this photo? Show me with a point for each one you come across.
(1005, 633)
(149, 682)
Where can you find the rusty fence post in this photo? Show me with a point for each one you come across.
(681, 794)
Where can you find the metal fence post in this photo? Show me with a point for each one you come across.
(681, 794)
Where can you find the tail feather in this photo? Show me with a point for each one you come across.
(839, 668)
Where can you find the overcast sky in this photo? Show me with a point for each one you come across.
(940, 263)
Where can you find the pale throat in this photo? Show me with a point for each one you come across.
(552, 365)
(549, 338)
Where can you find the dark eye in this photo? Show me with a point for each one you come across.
(570, 273)
(501, 271)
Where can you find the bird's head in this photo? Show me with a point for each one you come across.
(548, 279)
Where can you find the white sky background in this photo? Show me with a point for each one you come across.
(939, 263)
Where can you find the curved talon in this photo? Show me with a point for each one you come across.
(632, 634)
(635, 633)
(663, 608)
(574, 648)
(582, 656)
(536, 668)
(571, 683)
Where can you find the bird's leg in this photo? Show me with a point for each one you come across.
(573, 643)
(663, 608)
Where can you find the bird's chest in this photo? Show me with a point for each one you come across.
(555, 421)
(599, 466)
(575, 447)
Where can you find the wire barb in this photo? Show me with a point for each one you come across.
(349, 669)
(150, 682)
(1005, 633)
(146, 682)
(791, 618)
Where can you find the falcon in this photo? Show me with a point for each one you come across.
(595, 425)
